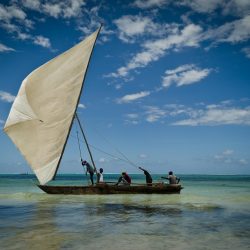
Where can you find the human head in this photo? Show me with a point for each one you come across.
(101, 170)
(123, 173)
(84, 162)
(170, 172)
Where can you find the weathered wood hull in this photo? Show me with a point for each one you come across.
(112, 189)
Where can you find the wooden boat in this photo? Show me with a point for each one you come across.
(158, 188)
(42, 115)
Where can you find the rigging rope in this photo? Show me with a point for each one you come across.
(104, 152)
(79, 144)
(108, 142)
(117, 150)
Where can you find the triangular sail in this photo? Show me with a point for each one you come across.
(42, 113)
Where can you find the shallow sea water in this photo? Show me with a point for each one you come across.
(212, 212)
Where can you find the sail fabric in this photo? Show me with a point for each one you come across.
(41, 115)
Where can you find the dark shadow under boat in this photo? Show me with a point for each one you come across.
(104, 188)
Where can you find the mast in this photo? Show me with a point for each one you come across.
(79, 96)
(85, 139)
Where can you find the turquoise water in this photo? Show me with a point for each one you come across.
(212, 212)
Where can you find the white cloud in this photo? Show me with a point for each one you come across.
(23, 36)
(42, 41)
(73, 8)
(133, 97)
(236, 7)
(130, 27)
(179, 69)
(87, 20)
(175, 38)
(217, 116)
(13, 18)
(4, 48)
(133, 122)
(7, 13)
(224, 7)
(225, 156)
(93, 22)
(189, 36)
(223, 113)
(146, 4)
(102, 160)
(228, 152)
(58, 8)
(246, 51)
(184, 75)
(132, 116)
(153, 113)
(231, 32)
(52, 9)
(201, 5)
(243, 161)
(6, 97)
(230, 158)
(143, 156)
(240, 31)
(82, 106)
(32, 4)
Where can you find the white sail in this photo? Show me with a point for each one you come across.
(42, 113)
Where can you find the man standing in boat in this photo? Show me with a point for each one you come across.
(148, 176)
(124, 178)
(89, 169)
(100, 176)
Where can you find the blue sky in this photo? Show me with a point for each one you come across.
(168, 83)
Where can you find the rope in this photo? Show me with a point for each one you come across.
(79, 147)
(117, 150)
(79, 144)
(113, 156)
(104, 152)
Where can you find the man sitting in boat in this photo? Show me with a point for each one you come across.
(172, 178)
(125, 179)
(89, 169)
(148, 176)
(100, 176)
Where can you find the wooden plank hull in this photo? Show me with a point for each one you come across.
(112, 189)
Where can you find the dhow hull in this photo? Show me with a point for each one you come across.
(112, 189)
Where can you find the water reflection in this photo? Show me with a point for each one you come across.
(31, 226)
(111, 222)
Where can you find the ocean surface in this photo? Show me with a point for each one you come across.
(212, 212)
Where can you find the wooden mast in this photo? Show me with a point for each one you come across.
(86, 142)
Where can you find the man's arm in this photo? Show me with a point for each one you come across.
(165, 178)
(141, 168)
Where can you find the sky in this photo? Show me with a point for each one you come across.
(168, 85)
